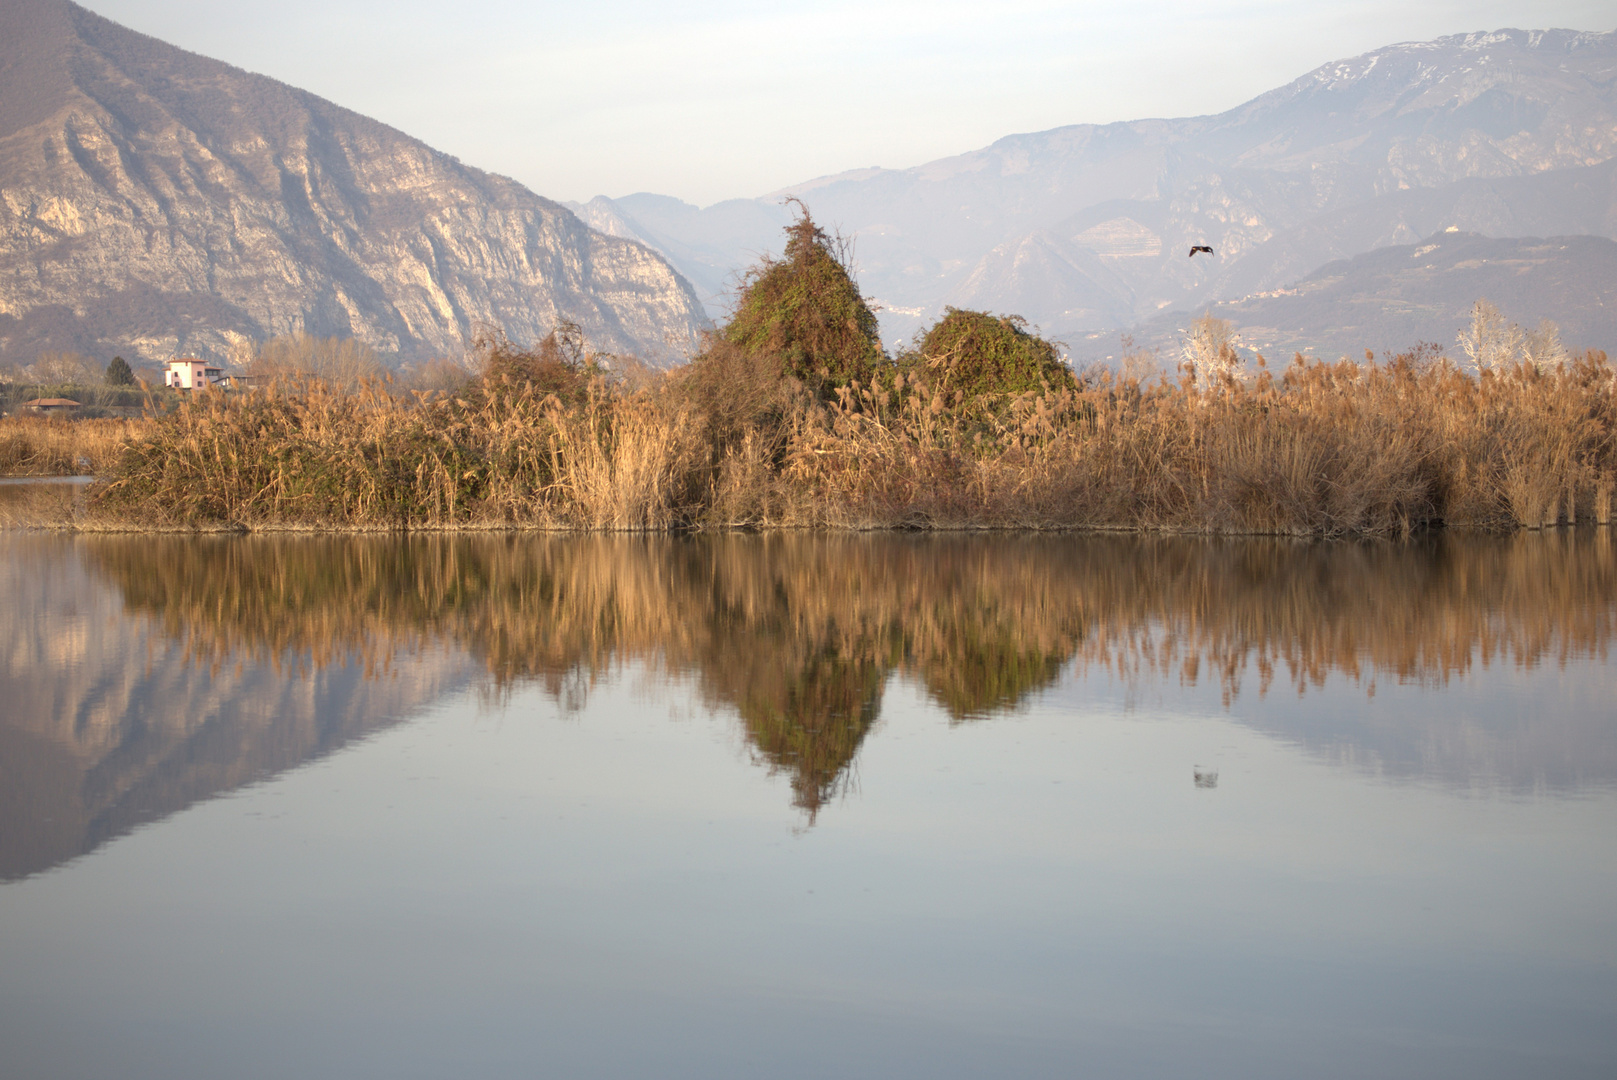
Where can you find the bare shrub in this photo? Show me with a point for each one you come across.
(561, 363)
(1138, 363)
(1542, 347)
(439, 375)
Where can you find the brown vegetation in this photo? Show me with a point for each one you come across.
(1325, 449)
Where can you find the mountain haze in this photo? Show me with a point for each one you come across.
(1084, 229)
(1392, 298)
(155, 202)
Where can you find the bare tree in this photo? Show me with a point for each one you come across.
(1138, 362)
(1542, 347)
(1209, 349)
(1489, 342)
(339, 362)
(61, 368)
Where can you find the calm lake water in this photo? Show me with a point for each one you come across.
(807, 806)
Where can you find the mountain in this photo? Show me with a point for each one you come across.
(1085, 229)
(1389, 299)
(155, 202)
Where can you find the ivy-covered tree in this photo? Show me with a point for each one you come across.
(806, 309)
(974, 353)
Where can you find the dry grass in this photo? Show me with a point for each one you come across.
(504, 454)
(42, 446)
(54, 506)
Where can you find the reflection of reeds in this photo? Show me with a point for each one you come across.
(799, 632)
(40, 505)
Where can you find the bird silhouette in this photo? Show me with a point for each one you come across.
(1200, 247)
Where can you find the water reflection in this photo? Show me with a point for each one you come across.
(210, 661)
(108, 720)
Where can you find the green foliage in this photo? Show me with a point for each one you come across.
(119, 373)
(973, 353)
(806, 310)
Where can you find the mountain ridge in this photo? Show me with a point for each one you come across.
(154, 201)
(1278, 186)
(1395, 297)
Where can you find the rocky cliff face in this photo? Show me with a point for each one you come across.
(155, 202)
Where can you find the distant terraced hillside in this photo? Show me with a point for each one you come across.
(155, 202)
(1392, 298)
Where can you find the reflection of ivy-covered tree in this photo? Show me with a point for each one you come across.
(981, 670)
(812, 722)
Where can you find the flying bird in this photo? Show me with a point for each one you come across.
(1200, 247)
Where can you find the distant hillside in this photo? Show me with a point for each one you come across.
(1395, 297)
(155, 202)
(1085, 229)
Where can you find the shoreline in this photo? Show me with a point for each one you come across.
(70, 493)
(25, 480)
(48, 524)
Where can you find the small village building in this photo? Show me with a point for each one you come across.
(188, 374)
(51, 405)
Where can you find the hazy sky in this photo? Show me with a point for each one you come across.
(716, 99)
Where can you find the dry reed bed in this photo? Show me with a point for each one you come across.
(1325, 449)
(799, 632)
(48, 446)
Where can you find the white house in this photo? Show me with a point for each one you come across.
(191, 374)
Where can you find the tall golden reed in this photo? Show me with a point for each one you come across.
(1342, 449)
(49, 446)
